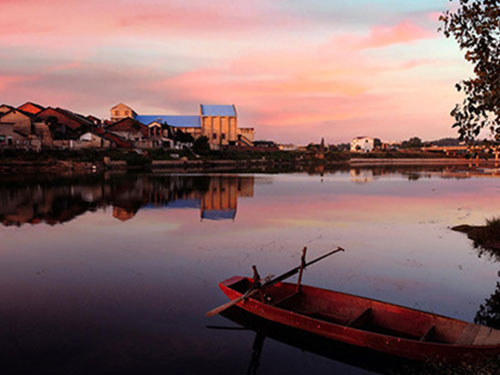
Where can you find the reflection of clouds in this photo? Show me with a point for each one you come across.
(307, 223)
(181, 259)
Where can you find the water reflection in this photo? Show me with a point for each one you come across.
(350, 355)
(126, 287)
(55, 202)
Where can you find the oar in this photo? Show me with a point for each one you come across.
(250, 292)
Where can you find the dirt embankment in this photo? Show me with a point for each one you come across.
(48, 166)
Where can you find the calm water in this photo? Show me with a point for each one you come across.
(116, 272)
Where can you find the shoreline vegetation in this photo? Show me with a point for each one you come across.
(486, 236)
(17, 161)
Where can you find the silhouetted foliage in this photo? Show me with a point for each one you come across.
(487, 241)
(180, 136)
(201, 146)
(486, 238)
(489, 313)
(414, 142)
(446, 142)
(342, 147)
(476, 28)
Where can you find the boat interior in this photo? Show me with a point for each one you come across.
(367, 315)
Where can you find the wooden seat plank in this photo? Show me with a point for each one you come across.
(484, 336)
(286, 299)
(360, 319)
(428, 334)
(331, 317)
(468, 335)
(493, 338)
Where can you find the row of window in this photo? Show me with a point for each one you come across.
(2, 140)
(214, 136)
(125, 113)
(9, 141)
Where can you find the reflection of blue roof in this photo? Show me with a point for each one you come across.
(177, 121)
(218, 214)
(218, 110)
(185, 203)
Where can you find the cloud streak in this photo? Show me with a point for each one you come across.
(294, 76)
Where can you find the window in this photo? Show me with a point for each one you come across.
(117, 113)
(223, 136)
(214, 136)
(9, 141)
(2, 139)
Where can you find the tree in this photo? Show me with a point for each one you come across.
(475, 25)
(413, 142)
(201, 146)
(182, 137)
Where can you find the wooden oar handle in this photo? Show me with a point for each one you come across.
(233, 302)
(268, 283)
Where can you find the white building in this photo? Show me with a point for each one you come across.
(362, 144)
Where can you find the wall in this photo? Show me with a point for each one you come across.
(22, 122)
(10, 139)
(89, 140)
(220, 130)
(121, 111)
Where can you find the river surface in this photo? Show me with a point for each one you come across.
(115, 272)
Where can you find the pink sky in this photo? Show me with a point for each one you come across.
(296, 70)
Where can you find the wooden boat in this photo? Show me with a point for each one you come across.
(384, 327)
(265, 330)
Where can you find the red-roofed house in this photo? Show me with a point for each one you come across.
(22, 129)
(131, 130)
(65, 124)
(31, 107)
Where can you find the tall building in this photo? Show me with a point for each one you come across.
(219, 123)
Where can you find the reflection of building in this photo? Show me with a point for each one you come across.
(214, 196)
(361, 176)
(220, 200)
(123, 214)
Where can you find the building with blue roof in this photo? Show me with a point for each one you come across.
(171, 120)
(219, 123)
(218, 110)
(229, 214)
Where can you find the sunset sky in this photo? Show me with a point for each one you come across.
(297, 70)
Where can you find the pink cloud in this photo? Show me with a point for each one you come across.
(434, 16)
(90, 55)
(145, 18)
(383, 36)
(8, 81)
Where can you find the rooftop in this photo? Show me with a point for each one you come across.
(218, 214)
(177, 121)
(218, 110)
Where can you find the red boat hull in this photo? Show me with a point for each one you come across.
(405, 320)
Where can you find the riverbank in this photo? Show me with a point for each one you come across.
(419, 161)
(57, 166)
(186, 161)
